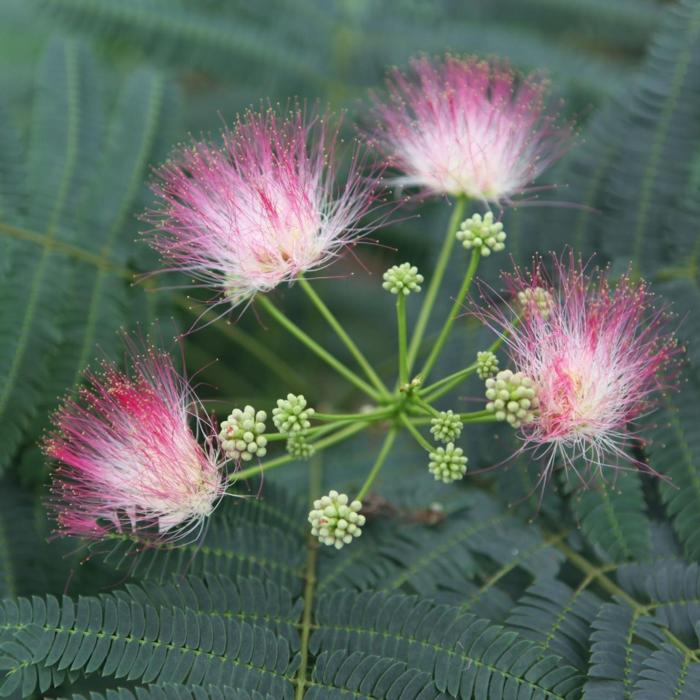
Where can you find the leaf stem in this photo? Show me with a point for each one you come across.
(454, 312)
(317, 349)
(379, 462)
(342, 334)
(436, 280)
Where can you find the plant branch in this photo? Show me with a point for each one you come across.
(317, 349)
(379, 462)
(436, 280)
(454, 312)
(342, 334)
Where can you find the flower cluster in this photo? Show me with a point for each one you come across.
(261, 209)
(291, 414)
(446, 427)
(336, 520)
(486, 364)
(482, 233)
(402, 279)
(585, 358)
(512, 397)
(467, 127)
(597, 357)
(243, 434)
(448, 463)
(128, 458)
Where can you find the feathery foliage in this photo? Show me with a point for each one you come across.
(483, 590)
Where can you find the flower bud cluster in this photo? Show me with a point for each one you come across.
(402, 279)
(486, 364)
(242, 434)
(482, 234)
(298, 446)
(291, 414)
(335, 520)
(448, 463)
(446, 427)
(536, 298)
(512, 397)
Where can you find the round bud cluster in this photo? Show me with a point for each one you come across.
(482, 234)
(536, 298)
(291, 414)
(512, 397)
(298, 446)
(448, 463)
(446, 427)
(336, 521)
(242, 434)
(402, 279)
(486, 364)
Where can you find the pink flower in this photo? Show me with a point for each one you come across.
(260, 210)
(128, 458)
(467, 127)
(597, 354)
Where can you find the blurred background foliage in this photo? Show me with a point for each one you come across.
(93, 93)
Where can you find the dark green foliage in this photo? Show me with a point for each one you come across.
(171, 691)
(74, 233)
(490, 589)
(612, 515)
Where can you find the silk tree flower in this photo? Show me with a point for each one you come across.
(261, 209)
(598, 357)
(128, 459)
(467, 127)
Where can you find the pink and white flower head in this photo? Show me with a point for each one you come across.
(596, 353)
(261, 209)
(128, 457)
(467, 127)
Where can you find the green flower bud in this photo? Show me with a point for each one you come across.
(298, 446)
(512, 397)
(486, 364)
(335, 520)
(536, 299)
(448, 463)
(402, 279)
(482, 234)
(242, 434)
(291, 414)
(446, 427)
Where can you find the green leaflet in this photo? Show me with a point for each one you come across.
(75, 233)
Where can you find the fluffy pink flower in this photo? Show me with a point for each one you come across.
(128, 458)
(597, 354)
(260, 210)
(467, 127)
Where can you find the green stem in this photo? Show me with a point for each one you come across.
(366, 415)
(426, 406)
(401, 326)
(314, 432)
(285, 459)
(454, 312)
(436, 280)
(478, 417)
(452, 380)
(316, 348)
(379, 462)
(416, 434)
(441, 387)
(342, 334)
